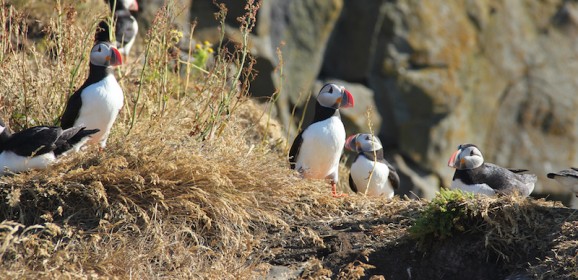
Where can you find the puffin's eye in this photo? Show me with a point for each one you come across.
(99, 49)
(330, 89)
(472, 153)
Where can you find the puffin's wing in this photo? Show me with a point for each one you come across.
(574, 168)
(500, 178)
(72, 109)
(70, 137)
(294, 151)
(34, 141)
(352, 184)
(393, 177)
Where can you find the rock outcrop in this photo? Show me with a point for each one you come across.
(499, 74)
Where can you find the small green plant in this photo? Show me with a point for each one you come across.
(449, 212)
(202, 54)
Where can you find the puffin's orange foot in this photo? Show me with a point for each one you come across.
(334, 191)
(336, 195)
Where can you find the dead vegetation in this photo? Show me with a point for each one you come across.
(194, 184)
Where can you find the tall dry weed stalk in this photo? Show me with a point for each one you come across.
(38, 74)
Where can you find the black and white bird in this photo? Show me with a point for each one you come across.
(96, 104)
(126, 26)
(475, 176)
(568, 178)
(317, 149)
(370, 173)
(37, 147)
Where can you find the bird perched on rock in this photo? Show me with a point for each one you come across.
(475, 176)
(96, 104)
(316, 150)
(568, 178)
(370, 173)
(37, 147)
(125, 27)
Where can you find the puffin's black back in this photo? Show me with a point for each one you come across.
(33, 141)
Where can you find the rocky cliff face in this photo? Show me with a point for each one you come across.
(499, 74)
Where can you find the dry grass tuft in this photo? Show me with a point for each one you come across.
(517, 231)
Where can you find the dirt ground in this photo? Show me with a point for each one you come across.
(373, 246)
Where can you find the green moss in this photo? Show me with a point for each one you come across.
(449, 212)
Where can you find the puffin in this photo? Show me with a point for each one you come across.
(126, 26)
(37, 147)
(476, 176)
(567, 177)
(96, 104)
(316, 151)
(370, 163)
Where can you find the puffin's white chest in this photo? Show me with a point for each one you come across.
(362, 169)
(321, 149)
(15, 163)
(101, 103)
(474, 188)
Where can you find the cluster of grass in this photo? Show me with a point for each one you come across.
(451, 211)
(524, 234)
(187, 156)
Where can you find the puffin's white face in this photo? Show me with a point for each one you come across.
(468, 156)
(363, 142)
(104, 54)
(131, 5)
(334, 96)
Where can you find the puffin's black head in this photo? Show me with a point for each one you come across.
(363, 142)
(105, 54)
(468, 156)
(334, 96)
(130, 5)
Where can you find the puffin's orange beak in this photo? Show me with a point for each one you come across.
(346, 99)
(452, 161)
(115, 59)
(351, 143)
